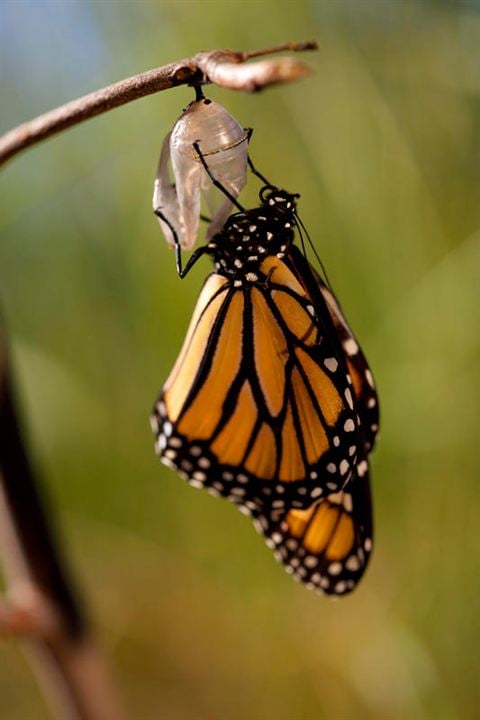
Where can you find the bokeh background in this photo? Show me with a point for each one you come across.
(382, 142)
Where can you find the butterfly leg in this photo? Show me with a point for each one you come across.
(182, 271)
(165, 199)
(178, 250)
(214, 180)
(195, 256)
(252, 167)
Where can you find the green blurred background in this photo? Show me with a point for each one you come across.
(383, 142)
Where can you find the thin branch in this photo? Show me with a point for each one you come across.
(222, 67)
(293, 46)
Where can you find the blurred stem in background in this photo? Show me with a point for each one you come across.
(42, 604)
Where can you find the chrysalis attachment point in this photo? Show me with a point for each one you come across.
(225, 144)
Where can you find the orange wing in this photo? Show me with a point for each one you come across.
(328, 545)
(259, 406)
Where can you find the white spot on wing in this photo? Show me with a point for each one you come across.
(195, 483)
(353, 563)
(335, 568)
(168, 463)
(348, 398)
(335, 498)
(362, 468)
(350, 346)
(331, 364)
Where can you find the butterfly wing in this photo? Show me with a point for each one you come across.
(258, 406)
(347, 345)
(362, 378)
(328, 545)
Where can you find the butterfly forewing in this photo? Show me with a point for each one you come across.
(259, 405)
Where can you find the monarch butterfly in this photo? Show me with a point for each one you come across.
(260, 406)
(328, 545)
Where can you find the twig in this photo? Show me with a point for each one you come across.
(222, 67)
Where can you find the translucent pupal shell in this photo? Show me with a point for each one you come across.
(223, 144)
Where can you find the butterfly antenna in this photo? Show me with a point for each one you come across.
(258, 173)
(310, 242)
(214, 180)
(302, 241)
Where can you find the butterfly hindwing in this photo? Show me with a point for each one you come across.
(326, 546)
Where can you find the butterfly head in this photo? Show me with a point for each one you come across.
(281, 201)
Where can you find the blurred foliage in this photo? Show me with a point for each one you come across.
(383, 144)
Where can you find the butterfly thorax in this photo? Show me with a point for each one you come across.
(249, 236)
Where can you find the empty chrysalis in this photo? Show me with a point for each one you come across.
(208, 126)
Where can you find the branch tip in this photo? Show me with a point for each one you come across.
(221, 67)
